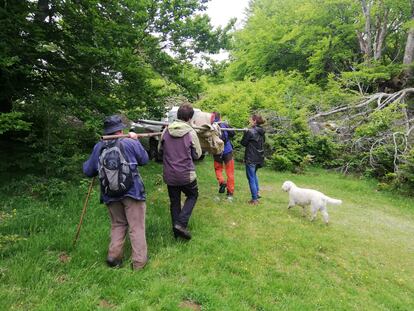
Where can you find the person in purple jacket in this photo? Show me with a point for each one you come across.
(128, 209)
(179, 146)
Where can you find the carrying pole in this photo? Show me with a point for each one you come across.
(83, 212)
(161, 123)
(109, 137)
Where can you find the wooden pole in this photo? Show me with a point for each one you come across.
(109, 137)
(161, 123)
(83, 212)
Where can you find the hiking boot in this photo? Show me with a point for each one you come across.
(222, 187)
(253, 202)
(114, 262)
(176, 233)
(138, 265)
(182, 232)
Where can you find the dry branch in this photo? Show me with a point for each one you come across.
(396, 139)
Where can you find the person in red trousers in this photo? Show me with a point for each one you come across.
(225, 160)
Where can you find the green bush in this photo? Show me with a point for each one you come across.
(406, 173)
(294, 151)
(281, 163)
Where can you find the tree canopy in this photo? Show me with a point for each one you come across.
(66, 63)
(319, 37)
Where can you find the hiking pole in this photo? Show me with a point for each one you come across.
(83, 211)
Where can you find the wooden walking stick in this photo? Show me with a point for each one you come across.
(83, 211)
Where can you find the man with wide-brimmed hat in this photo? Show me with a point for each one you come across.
(126, 205)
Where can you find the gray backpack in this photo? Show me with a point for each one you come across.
(115, 174)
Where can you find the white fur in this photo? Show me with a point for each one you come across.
(303, 197)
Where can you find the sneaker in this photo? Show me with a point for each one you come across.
(114, 262)
(222, 188)
(182, 232)
(230, 196)
(253, 202)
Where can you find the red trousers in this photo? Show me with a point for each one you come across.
(228, 165)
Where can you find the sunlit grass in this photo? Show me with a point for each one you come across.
(241, 257)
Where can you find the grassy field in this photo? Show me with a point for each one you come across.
(241, 257)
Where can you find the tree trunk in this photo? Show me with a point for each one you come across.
(42, 10)
(381, 31)
(365, 40)
(409, 48)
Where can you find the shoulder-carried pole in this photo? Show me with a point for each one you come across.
(161, 123)
(109, 137)
(83, 211)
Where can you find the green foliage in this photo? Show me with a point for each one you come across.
(380, 121)
(285, 94)
(295, 150)
(281, 163)
(314, 37)
(40, 188)
(369, 77)
(86, 59)
(12, 121)
(319, 38)
(405, 176)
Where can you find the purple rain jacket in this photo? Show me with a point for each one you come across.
(179, 145)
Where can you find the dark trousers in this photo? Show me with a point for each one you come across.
(180, 215)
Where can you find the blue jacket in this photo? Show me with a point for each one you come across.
(136, 156)
(225, 137)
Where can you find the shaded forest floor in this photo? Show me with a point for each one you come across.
(241, 257)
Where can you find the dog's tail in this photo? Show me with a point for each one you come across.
(332, 201)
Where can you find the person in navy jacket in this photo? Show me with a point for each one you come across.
(128, 210)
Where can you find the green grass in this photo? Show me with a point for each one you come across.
(241, 257)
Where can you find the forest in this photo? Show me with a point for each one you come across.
(334, 80)
(332, 77)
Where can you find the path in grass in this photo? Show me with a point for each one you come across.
(241, 257)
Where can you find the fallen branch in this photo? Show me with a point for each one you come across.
(383, 100)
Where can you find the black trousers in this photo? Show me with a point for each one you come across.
(180, 215)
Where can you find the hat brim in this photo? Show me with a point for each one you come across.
(114, 128)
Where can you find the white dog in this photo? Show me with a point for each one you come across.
(303, 197)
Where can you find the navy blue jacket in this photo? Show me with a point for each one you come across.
(225, 137)
(135, 155)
